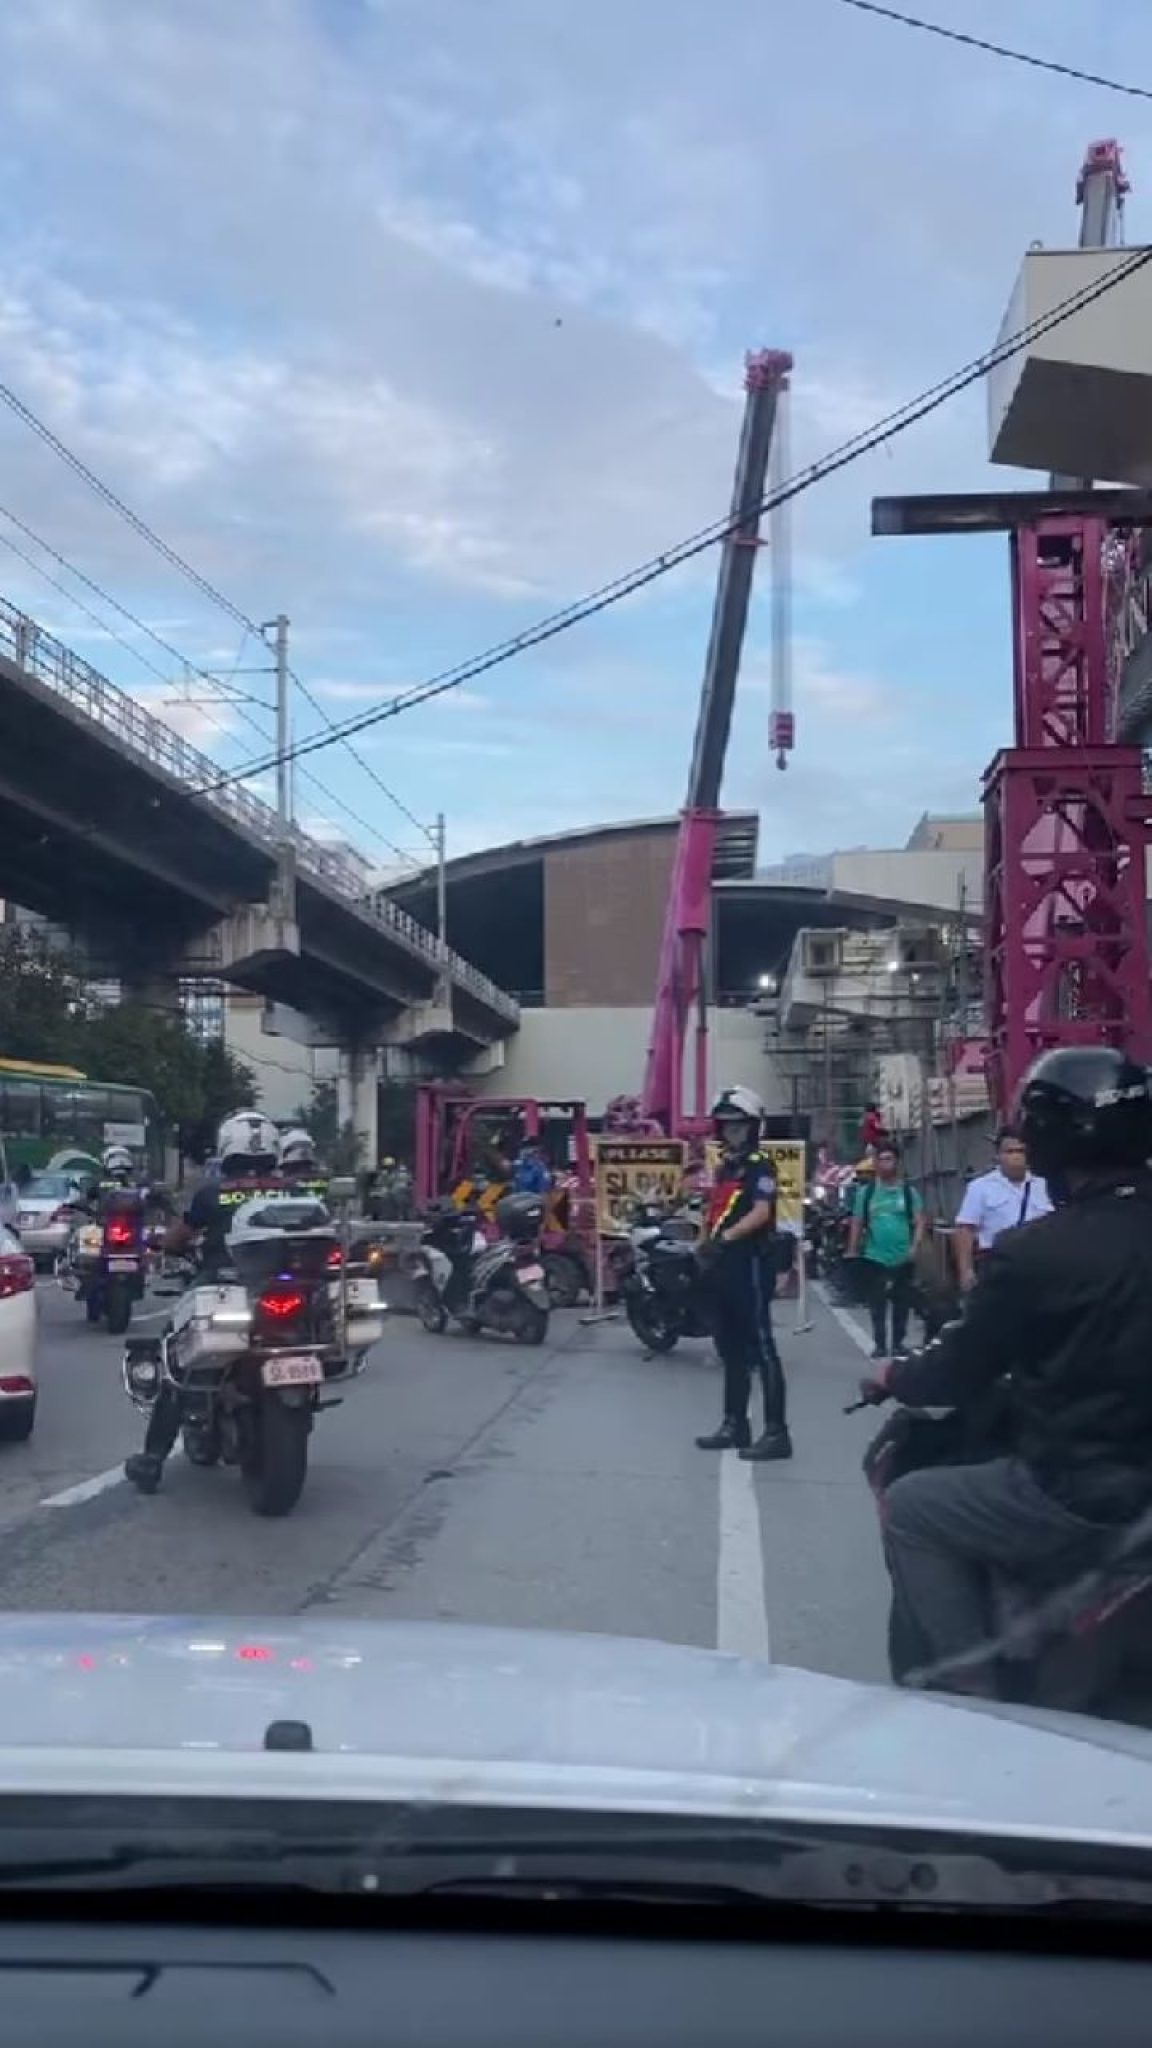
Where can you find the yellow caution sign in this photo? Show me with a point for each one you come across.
(789, 1156)
(631, 1170)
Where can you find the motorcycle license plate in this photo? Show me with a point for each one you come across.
(123, 1265)
(291, 1372)
(528, 1274)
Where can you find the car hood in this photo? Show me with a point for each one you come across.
(440, 1712)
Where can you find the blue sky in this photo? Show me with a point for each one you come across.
(416, 320)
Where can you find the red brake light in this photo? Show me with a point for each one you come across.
(335, 1256)
(117, 1231)
(280, 1304)
(17, 1275)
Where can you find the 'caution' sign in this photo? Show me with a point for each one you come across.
(789, 1158)
(631, 1170)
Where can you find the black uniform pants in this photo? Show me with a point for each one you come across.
(163, 1422)
(881, 1285)
(742, 1289)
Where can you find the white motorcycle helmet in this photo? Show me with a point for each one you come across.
(247, 1142)
(297, 1150)
(117, 1162)
(738, 1109)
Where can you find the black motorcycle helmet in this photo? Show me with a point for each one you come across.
(1086, 1108)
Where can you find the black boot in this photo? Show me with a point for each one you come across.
(145, 1470)
(774, 1444)
(732, 1435)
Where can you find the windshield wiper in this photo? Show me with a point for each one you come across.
(694, 1864)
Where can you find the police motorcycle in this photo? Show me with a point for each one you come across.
(498, 1285)
(663, 1289)
(253, 1349)
(106, 1261)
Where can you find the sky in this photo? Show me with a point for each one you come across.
(417, 319)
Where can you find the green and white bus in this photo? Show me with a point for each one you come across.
(58, 1116)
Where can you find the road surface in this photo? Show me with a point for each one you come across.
(464, 1479)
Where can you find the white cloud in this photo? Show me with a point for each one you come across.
(472, 340)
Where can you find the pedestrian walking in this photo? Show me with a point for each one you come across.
(886, 1234)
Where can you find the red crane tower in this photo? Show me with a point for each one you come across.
(1067, 821)
(682, 985)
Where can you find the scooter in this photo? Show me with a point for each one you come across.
(1073, 1645)
(664, 1293)
(254, 1354)
(497, 1285)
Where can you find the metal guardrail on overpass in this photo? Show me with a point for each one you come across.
(153, 742)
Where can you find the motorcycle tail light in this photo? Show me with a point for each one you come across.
(281, 1303)
(17, 1275)
(117, 1231)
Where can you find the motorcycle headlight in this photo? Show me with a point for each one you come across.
(143, 1376)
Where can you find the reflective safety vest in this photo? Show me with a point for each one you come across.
(740, 1183)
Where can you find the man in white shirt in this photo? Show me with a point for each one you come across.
(997, 1201)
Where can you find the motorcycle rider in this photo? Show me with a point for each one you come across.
(248, 1148)
(739, 1253)
(299, 1164)
(1064, 1310)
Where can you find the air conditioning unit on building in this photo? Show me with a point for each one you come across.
(822, 952)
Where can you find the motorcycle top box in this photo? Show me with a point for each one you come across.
(283, 1236)
(520, 1218)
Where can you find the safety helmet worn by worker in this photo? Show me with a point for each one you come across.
(1086, 1108)
(247, 1143)
(297, 1150)
(737, 1117)
(117, 1162)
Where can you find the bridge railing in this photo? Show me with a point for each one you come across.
(42, 656)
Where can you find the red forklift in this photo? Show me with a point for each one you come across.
(466, 1146)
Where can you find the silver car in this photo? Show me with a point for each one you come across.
(45, 1214)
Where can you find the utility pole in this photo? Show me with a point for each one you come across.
(440, 841)
(283, 738)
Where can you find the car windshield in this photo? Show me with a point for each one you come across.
(575, 812)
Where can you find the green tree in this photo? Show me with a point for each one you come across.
(337, 1143)
(44, 1004)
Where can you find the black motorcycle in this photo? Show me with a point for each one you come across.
(1073, 1645)
(498, 1285)
(664, 1292)
(106, 1263)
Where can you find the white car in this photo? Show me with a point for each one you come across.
(44, 1216)
(17, 1338)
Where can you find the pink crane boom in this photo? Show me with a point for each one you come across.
(682, 984)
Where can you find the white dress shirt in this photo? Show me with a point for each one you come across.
(993, 1203)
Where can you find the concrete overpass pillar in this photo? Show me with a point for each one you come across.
(156, 988)
(357, 1090)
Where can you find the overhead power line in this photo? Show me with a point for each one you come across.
(613, 593)
(990, 49)
(222, 689)
(81, 469)
(185, 568)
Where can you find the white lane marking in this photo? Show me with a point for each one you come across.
(741, 1593)
(87, 1489)
(847, 1322)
